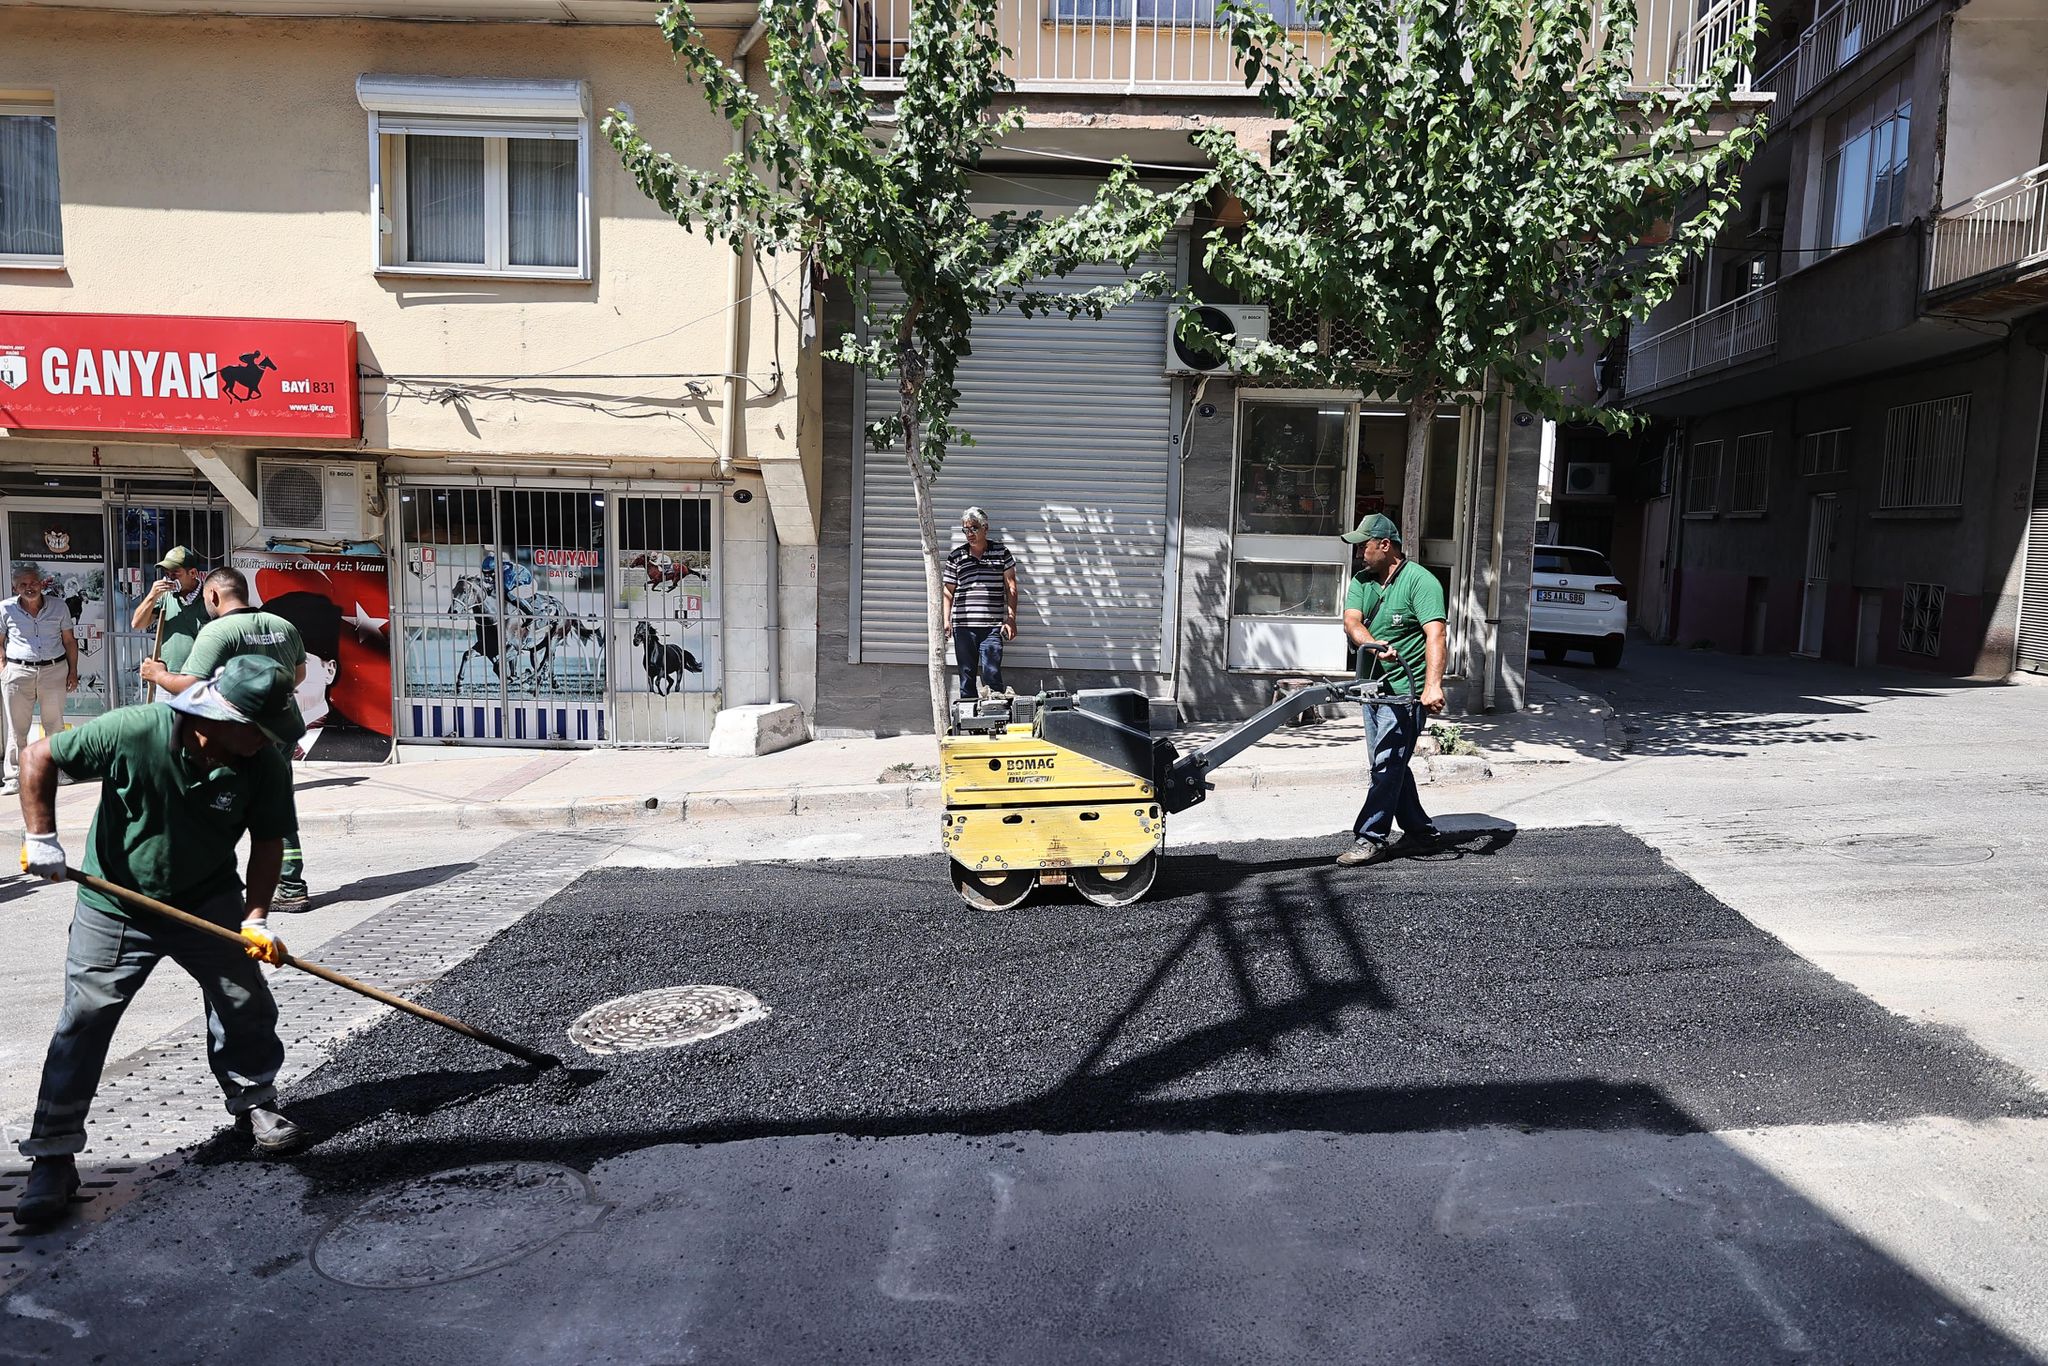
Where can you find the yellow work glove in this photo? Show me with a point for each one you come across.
(262, 945)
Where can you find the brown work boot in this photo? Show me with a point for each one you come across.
(52, 1181)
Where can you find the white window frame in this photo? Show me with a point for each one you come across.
(493, 110)
(36, 106)
(1749, 489)
(1824, 452)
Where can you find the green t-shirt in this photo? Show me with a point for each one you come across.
(182, 621)
(248, 631)
(167, 823)
(1396, 613)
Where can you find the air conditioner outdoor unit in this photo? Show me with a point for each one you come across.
(1770, 212)
(1246, 321)
(1586, 480)
(319, 500)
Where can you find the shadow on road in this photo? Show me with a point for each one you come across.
(391, 884)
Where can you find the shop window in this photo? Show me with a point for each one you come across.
(1288, 590)
(1290, 472)
(480, 177)
(31, 218)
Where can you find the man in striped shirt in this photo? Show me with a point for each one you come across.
(981, 604)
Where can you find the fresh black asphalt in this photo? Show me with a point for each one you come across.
(1549, 980)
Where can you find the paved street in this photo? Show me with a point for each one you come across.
(1745, 1070)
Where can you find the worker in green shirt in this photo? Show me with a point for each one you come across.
(180, 784)
(175, 599)
(237, 629)
(1394, 612)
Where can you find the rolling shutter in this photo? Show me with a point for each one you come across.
(1073, 460)
(2033, 641)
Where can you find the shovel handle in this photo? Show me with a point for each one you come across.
(289, 959)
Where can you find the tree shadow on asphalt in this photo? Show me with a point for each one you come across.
(381, 885)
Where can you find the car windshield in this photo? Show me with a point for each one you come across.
(1552, 560)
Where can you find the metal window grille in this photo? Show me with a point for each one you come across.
(1750, 482)
(1824, 452)
(1703, 482)
(1923, 453)
(1920, 619)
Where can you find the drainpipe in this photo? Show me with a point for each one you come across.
(735, 282)
(1500, 512)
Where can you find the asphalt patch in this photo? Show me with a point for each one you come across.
(1554, 980)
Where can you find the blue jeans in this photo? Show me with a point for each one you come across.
(1392, 798)
(978, 650)
(108, 961)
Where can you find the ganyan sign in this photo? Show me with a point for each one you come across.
(216, 377)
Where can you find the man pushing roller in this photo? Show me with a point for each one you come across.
(181, 781)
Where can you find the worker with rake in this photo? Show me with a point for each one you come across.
(181, 782)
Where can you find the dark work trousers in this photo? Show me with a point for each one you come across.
(1392, 797)
(109, 960)
(978, 651)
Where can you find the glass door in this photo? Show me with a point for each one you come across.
(1294, 476)
(65, 541)
(138, 535)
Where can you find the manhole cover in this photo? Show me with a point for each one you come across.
(666, 1018)
(1909, 851)
(455, 1224)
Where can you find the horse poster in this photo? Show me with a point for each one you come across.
(69, 550)
(341, 605)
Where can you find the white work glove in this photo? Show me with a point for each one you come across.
(43, 856)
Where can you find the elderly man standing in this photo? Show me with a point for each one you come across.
(174, 600)
(980, 588)
(180, 784)
(42, 664)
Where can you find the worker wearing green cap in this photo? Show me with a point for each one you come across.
(1394, 613)
(172, 608)
(180, 784)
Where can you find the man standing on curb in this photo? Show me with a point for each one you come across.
(238, 629)
(42, 664)
(980, 590)
(180, 783)
(176, 598)
(1394, 609)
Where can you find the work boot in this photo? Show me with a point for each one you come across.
(1429, 837)
(291, 897)
(52, 1181)
(273, 1134)
(1364, 852)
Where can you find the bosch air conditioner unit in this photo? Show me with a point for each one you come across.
(1245, 321)
(316, 500)
(1586, 480)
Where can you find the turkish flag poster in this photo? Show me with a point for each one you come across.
(341, 605)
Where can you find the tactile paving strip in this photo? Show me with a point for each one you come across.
(162, 1098)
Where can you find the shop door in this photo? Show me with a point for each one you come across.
(66, 542)
(502, 613)
(663, 620)
(1820, 542)
(138, 535)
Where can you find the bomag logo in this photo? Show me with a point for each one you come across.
(1025, 765)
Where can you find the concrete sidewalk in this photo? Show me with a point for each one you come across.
(457, 787)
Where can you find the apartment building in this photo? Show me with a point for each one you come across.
(1848, 464)
(351, 294)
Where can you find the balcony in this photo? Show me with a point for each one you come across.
(1982, 252)
(1842, 33)
(1167, 47)
(1740, 330)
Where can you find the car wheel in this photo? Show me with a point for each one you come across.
(1553, 654)
(1607, 653)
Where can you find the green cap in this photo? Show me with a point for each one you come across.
(251, 689)
(1377, 527)
(181, 557)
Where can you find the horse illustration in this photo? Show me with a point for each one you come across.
(665, 664)
(664, 571)
(248, 376)
(532, 628)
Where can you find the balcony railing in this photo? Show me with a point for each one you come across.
(1842, 34)
(1738, 330)
(1169, 46)
(2005, 227)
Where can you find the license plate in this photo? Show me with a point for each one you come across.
(1571, 595)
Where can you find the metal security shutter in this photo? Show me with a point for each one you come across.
(1073, 425)
(2033, 642)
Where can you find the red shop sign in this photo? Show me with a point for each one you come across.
(234, 377)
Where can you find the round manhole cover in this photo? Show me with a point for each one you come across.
(454, 1224)
(1910, 851)
(666, 1018)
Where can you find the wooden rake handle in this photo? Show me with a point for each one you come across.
(186, 918)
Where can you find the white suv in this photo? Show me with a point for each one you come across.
(1576, 603)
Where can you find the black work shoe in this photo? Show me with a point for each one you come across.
(1364, 852)
(1428, 838)
(52, 1181)
(272, 1133)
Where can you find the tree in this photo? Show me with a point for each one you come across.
(1471, 183)
(821, 175)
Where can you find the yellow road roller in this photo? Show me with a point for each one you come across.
(1072, 788)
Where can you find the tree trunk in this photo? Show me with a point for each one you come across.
(1421, 417)
(934, 612)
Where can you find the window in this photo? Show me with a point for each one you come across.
(1703, 481)
(1923, 454)
(1290, 469)
(1863, 179)
(1567, 560)
(1824, 452)
(31, 222)
(1920, 619)
(1749, 482)
(1288, 590)
(480, 177)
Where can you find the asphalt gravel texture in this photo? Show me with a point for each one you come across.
(1549, 980)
